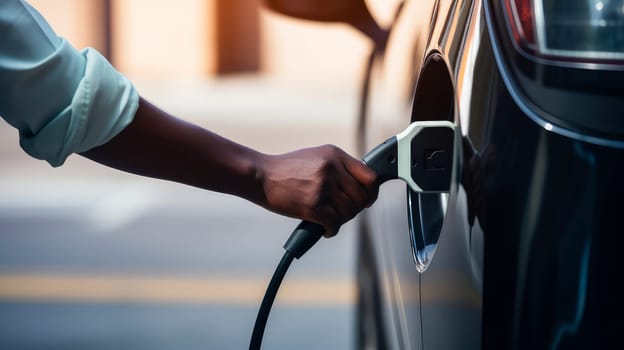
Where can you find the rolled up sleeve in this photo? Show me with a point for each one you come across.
(62, 101)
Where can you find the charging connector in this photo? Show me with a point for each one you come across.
(422, 156)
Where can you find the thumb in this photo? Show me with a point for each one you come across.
(364, 175)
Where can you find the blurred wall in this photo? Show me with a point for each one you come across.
(207, 38)
(331, 53)
(81, 21)
(163, 38)
(185, 38)
(304, 50)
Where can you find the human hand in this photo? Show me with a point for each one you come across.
(321, 184)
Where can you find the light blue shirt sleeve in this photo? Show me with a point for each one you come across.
(62, 101)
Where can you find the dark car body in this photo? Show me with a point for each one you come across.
(523, 251)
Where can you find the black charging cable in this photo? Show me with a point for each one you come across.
(303, 238)
(267, 301)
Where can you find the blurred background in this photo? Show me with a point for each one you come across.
(94, 258)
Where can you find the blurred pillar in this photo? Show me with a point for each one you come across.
(107, 29)
(238, 38)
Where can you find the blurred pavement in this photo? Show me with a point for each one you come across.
(95, 258)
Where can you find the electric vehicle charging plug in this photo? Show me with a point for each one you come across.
(421, 155)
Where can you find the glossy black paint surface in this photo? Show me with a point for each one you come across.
(549, 213)
(527, 254)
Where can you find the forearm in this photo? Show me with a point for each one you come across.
(158, 145)
(320, 184)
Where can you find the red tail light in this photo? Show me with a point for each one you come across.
(522, 21)
(578, 30)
